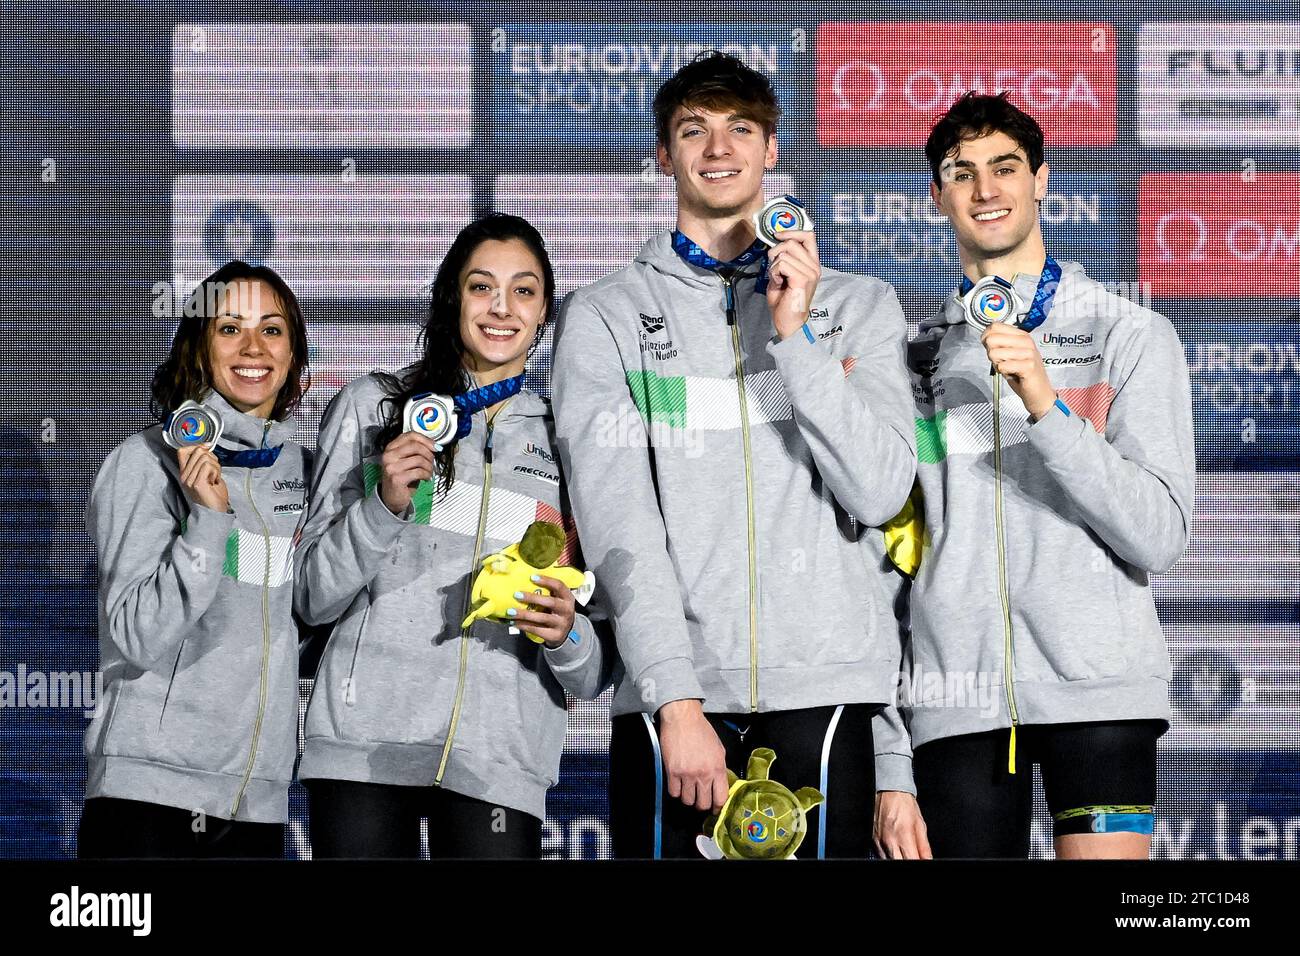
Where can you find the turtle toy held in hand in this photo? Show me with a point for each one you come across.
(511, 569)
(762, 819)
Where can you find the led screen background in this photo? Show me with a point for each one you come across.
(345, 144)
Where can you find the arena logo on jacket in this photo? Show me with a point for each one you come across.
(654, 338)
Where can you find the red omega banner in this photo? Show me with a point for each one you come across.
(883, 84)
(1213, 234)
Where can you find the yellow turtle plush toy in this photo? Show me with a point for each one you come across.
(762, 819)
(905, 539)
(511, 569)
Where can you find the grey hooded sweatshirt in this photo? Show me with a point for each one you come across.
(1032, 604)
(403, 695)
(722, 481)
(197, 641)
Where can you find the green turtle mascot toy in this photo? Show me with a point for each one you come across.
(762, 819)
(511, 569)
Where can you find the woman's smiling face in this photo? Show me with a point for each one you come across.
(249, 347)
(502, 302)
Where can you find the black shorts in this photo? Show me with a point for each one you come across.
(828, 748)
(1097, 777)
(112, 828)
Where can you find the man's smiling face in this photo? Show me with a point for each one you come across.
(990, 195)
(718, 160)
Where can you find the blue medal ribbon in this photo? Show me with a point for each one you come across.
(1043, 295)
(477, 399)
(244, 458)
(692, 253)
(248, 457)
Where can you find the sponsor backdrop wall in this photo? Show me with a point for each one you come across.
(345, 144)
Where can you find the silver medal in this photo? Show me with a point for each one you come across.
(192, 424)
(433, 416)
(778, 215)
(992, 300)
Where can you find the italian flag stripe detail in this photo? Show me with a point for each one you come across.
(968, 429)
(930, 445)
(708, 404)
(1092, 403)
(659, 399)
(231, 566)
(509, 512)
(246, 558)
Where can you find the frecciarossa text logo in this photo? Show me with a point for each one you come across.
(884, 84)
(1212, 234)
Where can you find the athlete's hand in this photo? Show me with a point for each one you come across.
(550, 618)
(1017, 359)
(793, 269)
(202, 479)
(694, 758)
(406, 462)
(899, 831)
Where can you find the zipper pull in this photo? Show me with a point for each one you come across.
(487, 448)
(266, 430)
(730, 292)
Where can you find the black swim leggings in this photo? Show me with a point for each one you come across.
(352, 820)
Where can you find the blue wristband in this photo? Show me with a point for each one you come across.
(807, 333)
(573, 636)
(1063, 407)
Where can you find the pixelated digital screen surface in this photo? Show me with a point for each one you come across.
(346, 145)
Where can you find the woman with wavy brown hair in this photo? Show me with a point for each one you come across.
(194, 521)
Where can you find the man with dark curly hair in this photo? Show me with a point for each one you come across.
(1056, 462)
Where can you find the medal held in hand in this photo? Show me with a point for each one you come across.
(433, 416)
(445, 419)
(778, 215)
(992, 300)
(192, 424)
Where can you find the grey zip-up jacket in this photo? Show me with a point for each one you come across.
(1032, 604)
(197, 641)
(722, 482)
(403, 695)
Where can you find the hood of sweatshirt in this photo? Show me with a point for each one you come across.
(1025, 284)
(657, 252)
(240, 430)
(524, 404)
